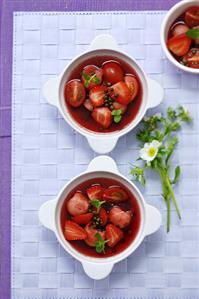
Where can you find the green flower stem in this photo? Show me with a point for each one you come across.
(166, 196)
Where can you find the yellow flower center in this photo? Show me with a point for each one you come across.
(151, 151)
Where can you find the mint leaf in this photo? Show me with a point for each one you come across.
(100, 244)
(97, 204)
(116, 112)
(117, 118)
(193, 33)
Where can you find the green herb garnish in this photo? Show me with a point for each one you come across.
(100, 243)
(88, 79)
(117, 115)
(97, 204)
(158, 139)
(193, 33)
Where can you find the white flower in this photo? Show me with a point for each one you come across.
(150, 150)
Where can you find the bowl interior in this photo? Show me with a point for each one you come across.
(82, 178)
(170, 18)
(102, 53)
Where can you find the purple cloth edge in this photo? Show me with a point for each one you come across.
(7, 7)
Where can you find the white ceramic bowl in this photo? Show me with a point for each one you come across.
(53, 91)
(170, 17)
(49, 215)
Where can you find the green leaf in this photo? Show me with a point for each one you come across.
(183, 114)
(117, 118)
(97, 204)
(116, 112)
(100, 243)
(193, 33)
(138, 173)
(177, 175)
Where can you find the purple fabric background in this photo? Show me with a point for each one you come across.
(7, 7)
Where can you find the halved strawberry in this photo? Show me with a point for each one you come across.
(118, 106)
(115, 194)
(78, 204)
(91, 235)
(72, 231)
(95, 192)
(83, 219)
(96, 95)
(120, 93)
(113, 234)
(102, 116)
(132, 84)
(103, 216)
(119, 217)
(179, 45)
(88, 105)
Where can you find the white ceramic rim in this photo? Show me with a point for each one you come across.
(170, 17)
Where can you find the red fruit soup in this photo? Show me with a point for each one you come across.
(103, 94)
(100, 217)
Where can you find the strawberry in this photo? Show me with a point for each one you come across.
(119, 217)
(72, 231)
(95, 192)
(78, 204)
(102, 116)
(113, 235)
(115, 194)
(83, 219)
(91, 235)
(88, 105)
(96, 95)
(120, 93)
(103, 216)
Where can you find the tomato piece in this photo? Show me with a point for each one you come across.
(72, 231)
(132, 84)
(83, 219)
(191, 59)
(119, 217)
(74, 93)
(112, 72)
(78, 204)
(192, 16)
(95, 192)
(118, 106)
(88, 105)
(102, 116)
(115, 194)
(96, 96)
(113, 234)
(179, 28)
(103, 216)
(91, 76)
(179, 45)
(91, 235)
(120, 93)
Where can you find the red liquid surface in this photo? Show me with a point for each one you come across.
(83, 117)
(130, 232)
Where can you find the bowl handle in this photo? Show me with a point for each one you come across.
(47, 214)
(50, 91)
(155, 93)
(104, 41)
(103, 162)
(153, 220)
(97, 271)
(102, 146)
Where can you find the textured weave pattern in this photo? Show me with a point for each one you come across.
(46, 153)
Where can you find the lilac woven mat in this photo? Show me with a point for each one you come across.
(6, 20)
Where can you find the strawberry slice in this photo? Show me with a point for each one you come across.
(91, 235)
(103, 216)
(115, 194)
(118, 106)
(78, 204)
(83, 219)
(72, 231)
(95, 192)
(113, 235)
(120, 93)
(102, 116)
(88, 105)
(96, 95)
(179, 45)
(119, 217)
(132, 84)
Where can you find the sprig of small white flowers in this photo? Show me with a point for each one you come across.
(157, 136)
